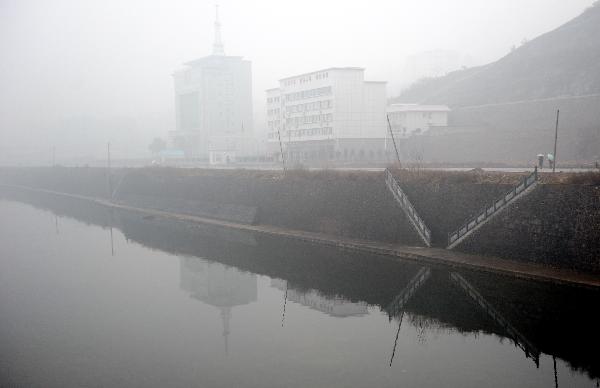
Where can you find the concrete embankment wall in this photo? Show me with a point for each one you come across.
(557, 224)
(87, 181)
(446, 199)
(356, 205)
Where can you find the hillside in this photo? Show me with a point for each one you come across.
(562, 62)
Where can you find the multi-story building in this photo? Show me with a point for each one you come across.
(327, 115)
(213, 106)
(413, 119)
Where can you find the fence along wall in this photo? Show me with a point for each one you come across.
(408, 208)
(474, 223)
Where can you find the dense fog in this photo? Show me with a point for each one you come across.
(78, 74)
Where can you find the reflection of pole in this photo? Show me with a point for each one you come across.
(108, 172)
(226, 316)
(394, 141)
(112, 246)
(555, 140)
(53, 156)
(555, 374)
(396, 341)
(284, 303)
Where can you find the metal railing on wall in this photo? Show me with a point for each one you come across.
(493, 208)
(408, 208)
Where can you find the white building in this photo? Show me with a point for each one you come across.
(413, 119)
(326, 115)
(213, 106)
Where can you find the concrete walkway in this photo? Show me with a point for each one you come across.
(423, 255)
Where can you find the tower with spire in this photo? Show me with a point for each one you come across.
(218, 285)
(218, 48)
(213, 106)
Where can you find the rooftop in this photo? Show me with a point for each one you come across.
(323, 70)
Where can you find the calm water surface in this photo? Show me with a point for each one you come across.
(95, 298)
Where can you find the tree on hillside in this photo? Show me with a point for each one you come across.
(157, 145)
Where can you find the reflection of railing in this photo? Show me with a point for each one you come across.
(519, 339)
(408, 208)
(397, 305)
(472, 224)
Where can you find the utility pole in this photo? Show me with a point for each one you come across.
(108, 172)
(281, 149)
(555, 140)
(394, 140)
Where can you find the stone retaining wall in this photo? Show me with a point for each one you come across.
(557, 224)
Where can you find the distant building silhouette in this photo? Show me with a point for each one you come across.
(411, 119)
(213, 106)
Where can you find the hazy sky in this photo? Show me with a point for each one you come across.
(70, 58)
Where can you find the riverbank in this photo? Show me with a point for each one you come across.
(422, 255)
(556, 226)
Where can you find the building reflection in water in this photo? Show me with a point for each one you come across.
(217, 285)
(540, 318)
(336, 307)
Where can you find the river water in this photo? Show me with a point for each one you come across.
(96, 298)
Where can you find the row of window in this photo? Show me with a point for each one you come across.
(296, 121)
(397, 116)
(325, 91)
(325, 131)
(305, 79)
(271, 100)
(317, 105)
(273, 112)
(324, 154)
(273, 124)
(310, 132)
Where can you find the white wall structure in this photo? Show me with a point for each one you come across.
(334, 306)
(213, 106)
(413, 119)
(326, 115)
